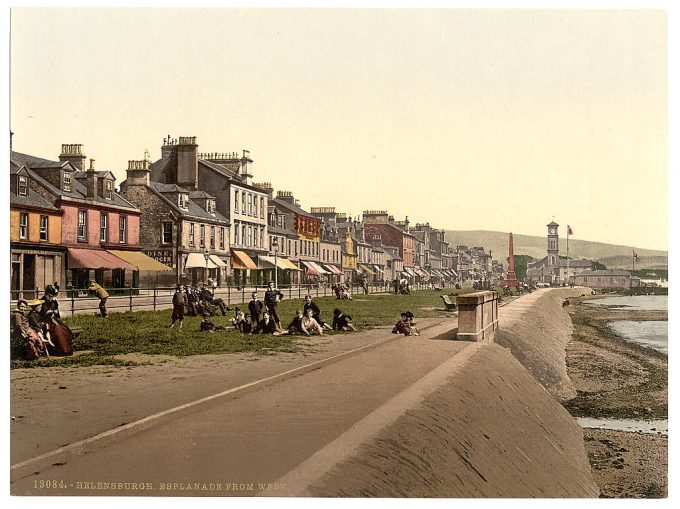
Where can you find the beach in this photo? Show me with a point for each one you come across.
(616, 378)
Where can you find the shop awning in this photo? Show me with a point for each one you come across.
(290, 264)
(409, 271)
(140, 260)
(366, 270)
(378, 269)
(198, 261)
(81, 258)
(241, 261)
(333, 269)
(269, 262)
(319, 268)
(217, 261)
(311, 271)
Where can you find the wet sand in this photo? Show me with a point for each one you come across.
(615, 378)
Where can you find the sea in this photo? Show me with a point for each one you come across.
(651, 334)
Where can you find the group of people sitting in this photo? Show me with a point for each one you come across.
(406, 325)
(401, 286)
(196, 301)
(262, 318)
(38, 328)
(341, 292)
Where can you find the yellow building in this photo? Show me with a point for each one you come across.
(37, 256)
(349, 257)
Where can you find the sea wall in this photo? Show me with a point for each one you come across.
(489, 431)
(536, 328)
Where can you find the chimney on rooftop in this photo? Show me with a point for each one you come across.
(138, 173)
(91, 181)
(73, 153)
(286, 196)
(267, 187)
(187, 162)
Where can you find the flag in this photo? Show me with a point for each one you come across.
(569, 230)
(635, 256)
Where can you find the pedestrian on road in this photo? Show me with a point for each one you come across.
(342, 322)
(102, 294)
(271, 298)
(316, 312)
(395, 283)
(255, 308)
(179, 300)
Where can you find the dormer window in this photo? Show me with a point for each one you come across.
(183, 201)
(22, 185)
(67, 181)
(108, 189)
(210, 205)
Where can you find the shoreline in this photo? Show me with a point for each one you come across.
(616, 378)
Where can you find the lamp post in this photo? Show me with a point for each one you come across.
(206, 255)
(275, 248)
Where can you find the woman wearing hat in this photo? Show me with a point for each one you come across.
(23, 332)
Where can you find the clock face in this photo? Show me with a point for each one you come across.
(552, 230)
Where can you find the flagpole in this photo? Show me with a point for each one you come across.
(633, 259)
(568, 255)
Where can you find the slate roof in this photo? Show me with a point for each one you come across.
(293, 208)
(78, 189)
(193, 210)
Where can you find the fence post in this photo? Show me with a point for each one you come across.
(243, 293)
(228, 294)
(73, 310)
(130, 299)
(154, 298)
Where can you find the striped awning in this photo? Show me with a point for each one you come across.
(378, 269)
(81, 258)
(311, 271)
(409, 271)
(268, 262)
(198, 261)
(366, 270)
(241, 261)
(333, 269)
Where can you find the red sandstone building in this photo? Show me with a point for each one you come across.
(380, 224)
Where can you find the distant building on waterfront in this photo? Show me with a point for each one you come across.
(553, 269)
(609, 278)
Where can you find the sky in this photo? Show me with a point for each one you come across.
(469, 119)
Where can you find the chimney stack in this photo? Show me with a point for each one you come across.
(286, 196)
(138, 173)
(73, 153)
(267, 187)
(187, 162)
(91, 181)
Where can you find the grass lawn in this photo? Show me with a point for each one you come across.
(147, 332)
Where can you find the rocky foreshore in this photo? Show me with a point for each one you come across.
(615, 378)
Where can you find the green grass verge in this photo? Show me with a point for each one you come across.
(147, 332)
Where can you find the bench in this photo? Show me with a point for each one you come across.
(450, 306)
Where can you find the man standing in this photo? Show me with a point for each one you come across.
(179, 300)
(255, 308)
(271, 297)
(102, 294)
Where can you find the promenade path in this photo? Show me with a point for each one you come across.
(225, 420)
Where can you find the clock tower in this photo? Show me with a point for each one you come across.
(553, 245)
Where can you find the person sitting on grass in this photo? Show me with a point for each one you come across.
(295, 326)
(247, 325)
(208, 326)
(238, 320)
(309, 324)
(28, 338)
(403, 326)
(316, 312)
(342, 322)
(266, 326)
(209, 300)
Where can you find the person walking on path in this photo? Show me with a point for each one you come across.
(255, 308)
(316, 312)
(271, 298)
(102, 294)
(179, 300)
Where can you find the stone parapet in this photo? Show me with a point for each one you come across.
(477, 315)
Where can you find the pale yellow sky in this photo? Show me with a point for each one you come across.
(468, 119)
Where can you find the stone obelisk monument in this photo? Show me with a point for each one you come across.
(512, 277)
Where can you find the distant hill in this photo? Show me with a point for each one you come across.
(613, 256)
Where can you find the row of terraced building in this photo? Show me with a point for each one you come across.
(190, 216)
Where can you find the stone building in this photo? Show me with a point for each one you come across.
(379, 223)
(226, 176)
(180, 228)
(609, 278)
(553, 269)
